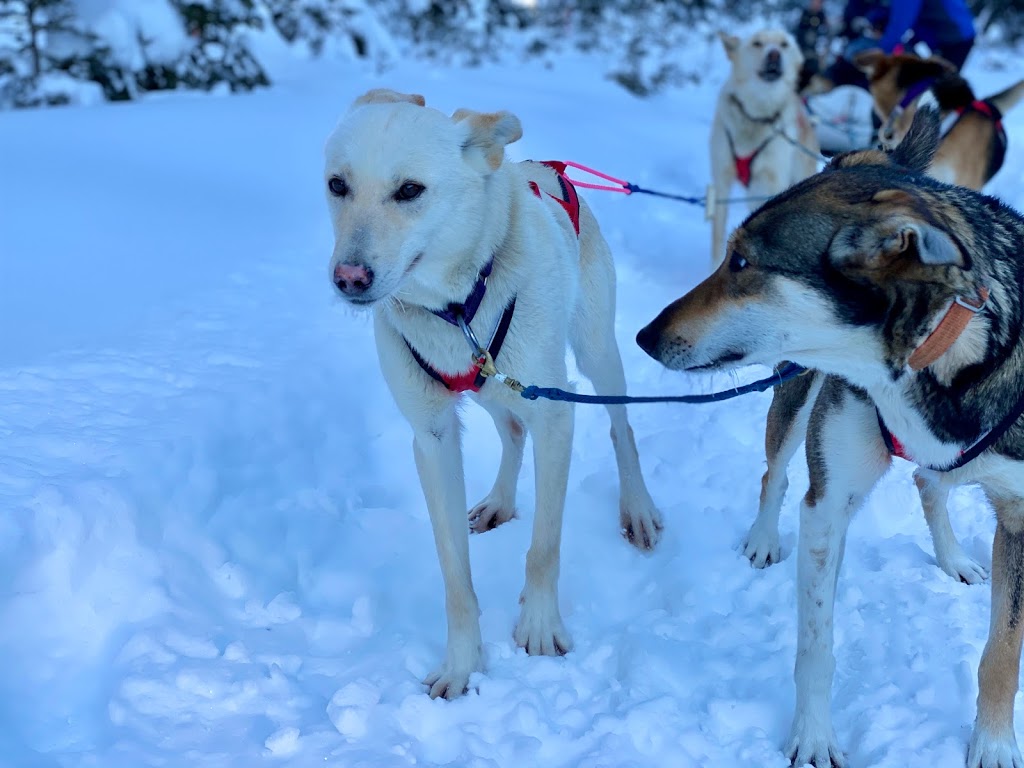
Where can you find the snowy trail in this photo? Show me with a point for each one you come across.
(213, 547)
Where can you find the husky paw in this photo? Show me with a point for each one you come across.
(962, 567)
(540, 629)
(490, 513)
(450, 680)
(815, 743)
(988, 750)
(762, 547)
(641, 523)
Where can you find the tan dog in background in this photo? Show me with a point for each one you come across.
(757, 108)
(973, 143)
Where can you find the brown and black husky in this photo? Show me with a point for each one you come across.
(906, 293)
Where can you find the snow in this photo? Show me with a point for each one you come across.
(213, 547)
(138, 31)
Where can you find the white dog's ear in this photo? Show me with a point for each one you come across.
(731, 43)
(869, 61)
(899, 246)
(489, 133)
(387, 96)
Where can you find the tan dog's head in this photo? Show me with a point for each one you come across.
(768, 57)
(892, 79)
(842, 272)
(407, 189)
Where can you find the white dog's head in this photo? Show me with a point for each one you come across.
(407, 191)
(768, 56)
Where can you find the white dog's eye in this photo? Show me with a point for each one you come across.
(758, 44)
(409, 191)
(784, 44)
(737, 263)
(338, 187)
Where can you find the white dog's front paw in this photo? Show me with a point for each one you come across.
(490, 513)
(450, 680)
(989, 750)
(540, 629)
(641, 522)
(961, 566)
(762, 547)
(814, 741)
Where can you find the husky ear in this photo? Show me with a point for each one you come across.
(917, 149)
(488, 134)
(869, 61)
(387, 96)
(900, 244)
(731, 43)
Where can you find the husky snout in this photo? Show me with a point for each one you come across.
(353, 280)
(661, 340)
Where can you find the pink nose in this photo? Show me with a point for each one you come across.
(353, 279)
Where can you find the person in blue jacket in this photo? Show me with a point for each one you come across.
(945, 26)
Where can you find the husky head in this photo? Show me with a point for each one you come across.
(770, 56)
(844, 272)
(891, 78)
(407, 192)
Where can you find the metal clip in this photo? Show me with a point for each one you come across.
(981, 301)
(470, 337)
(482, 358)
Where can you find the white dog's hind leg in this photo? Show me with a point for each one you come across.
(592, 336)
(845, 457)
(540, 629)
(439, 461)
(948, 552)
(598, 359)
(499, 506)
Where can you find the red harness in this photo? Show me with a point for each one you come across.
(473, 379)
(743, 164)
(569, 200)
(991, 111)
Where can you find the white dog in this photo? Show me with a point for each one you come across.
(432, 227)
(758, 110)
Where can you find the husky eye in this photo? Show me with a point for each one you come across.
(737, 263)
(409, 191)
(337, 186)
(758, 44)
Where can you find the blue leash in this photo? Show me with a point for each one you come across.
(783, 374)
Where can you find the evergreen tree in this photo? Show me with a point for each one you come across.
(221, 54)
(46, 56)
(320, 23)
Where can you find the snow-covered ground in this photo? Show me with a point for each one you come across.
(213, 547)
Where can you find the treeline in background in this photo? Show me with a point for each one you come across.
(79, 51)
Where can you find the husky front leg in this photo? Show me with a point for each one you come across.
(845, 457)
(785, 430)
(439, 462)
(993, 743)
(437, 448)
(540, 629)
(948, 553)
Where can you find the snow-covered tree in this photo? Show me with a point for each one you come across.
(46, 58)
(221, 54)
(349, 28)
